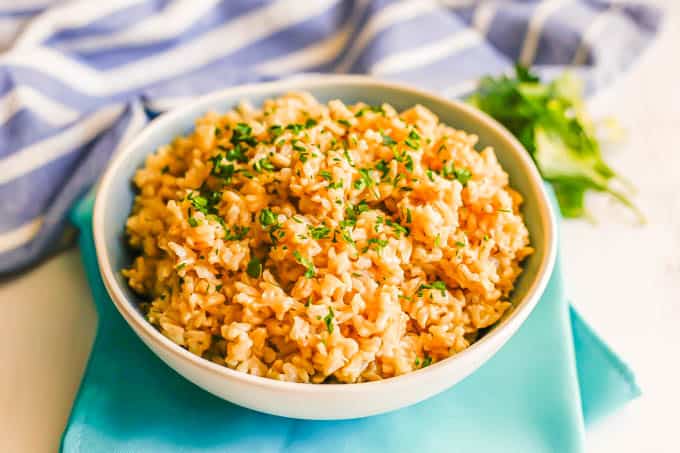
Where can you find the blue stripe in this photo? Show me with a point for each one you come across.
(214, 18)
(439, 75)
(113, 22)
(21, 13)
(49, 190)
(50, 87)
(407, 35)
(24, 128)
(48, 240)
(562, 33)
(509, 27)
(288, 40)
(28, 196)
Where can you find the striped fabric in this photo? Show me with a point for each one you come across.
(77, 79)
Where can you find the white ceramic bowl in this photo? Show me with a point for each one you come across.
(323, 401)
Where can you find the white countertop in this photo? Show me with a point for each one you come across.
(624, 279)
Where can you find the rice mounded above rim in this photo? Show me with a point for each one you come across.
(318, 243)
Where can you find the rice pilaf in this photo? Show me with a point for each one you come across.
(317, 243)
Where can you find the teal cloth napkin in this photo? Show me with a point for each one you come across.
(535, 395)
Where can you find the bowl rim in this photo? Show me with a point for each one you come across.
(303, 82)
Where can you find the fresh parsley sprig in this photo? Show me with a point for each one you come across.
(549, 119)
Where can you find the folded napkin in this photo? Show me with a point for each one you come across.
(77, 77)
(535, 395)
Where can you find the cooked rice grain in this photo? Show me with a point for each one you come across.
(324, 243)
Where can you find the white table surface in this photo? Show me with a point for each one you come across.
(624, 279)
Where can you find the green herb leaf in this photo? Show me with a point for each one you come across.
(236, 233)
(319, 232)
(242, 133)
(310, 270)
(263, 164)
(388, 141)
(370, 108)
(413, 140)
(398, 229)
(549, 119)
(254, 268)
(328, 319)
(267, 217)
(295, 128)
(438, 284)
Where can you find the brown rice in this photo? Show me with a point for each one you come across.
(324, 243)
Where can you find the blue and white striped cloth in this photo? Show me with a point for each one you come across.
(79, 78)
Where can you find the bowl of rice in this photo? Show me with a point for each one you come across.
(325, 247)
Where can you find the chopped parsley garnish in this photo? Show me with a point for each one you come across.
(310, 270)
(347, 157)
(242, 133)
(463, 175)
(427, 361)
(352, 212)
(165, 169)
(311, 122)
(328, 319)
(236, 233)
(509, 211)
(365, 181)
(409, 218)
(347, 236)
(379, 220)
(267, 217)
(388, 141)
(193, 221)
(335, 185)
(398, 229)
(325, 174)
(438, 240)
(370, 108)
(345, 123)
(409, 163)
(263, 164)
(430, 175)
(181, 266)
(440, 285)
(383, 168)
(221, 169)
(275, 131)
(295, 128)
(413, 140)
(376, 244)
(254, 268)
(206, 203)
(297, 146)
(319, 232)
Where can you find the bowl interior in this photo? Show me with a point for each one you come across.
(117, 194)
